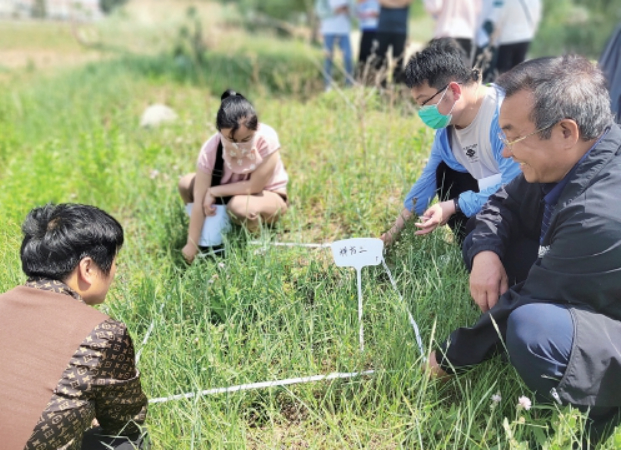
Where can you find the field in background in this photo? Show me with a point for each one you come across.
(69, 132)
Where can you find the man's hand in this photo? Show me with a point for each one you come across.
(189, 252)
(488, 280)
(208, 204)
(434, 216)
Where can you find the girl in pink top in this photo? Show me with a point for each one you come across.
(250, 178)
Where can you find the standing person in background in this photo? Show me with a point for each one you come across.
(240, 166)
(455, 19)
(392, 32)
(367, 12)
(509, 25)
(334, 18)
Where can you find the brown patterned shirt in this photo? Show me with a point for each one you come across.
(101, 381)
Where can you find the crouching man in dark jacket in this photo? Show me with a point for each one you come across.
(552, 236)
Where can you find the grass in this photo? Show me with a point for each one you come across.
(257, 315)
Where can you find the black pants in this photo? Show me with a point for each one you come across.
(397, 41)
(449, 185)
(366, 50)
(501, 59)
(96, 439)
(467, 46)
(511, 55)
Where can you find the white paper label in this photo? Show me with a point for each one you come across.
(357, 252)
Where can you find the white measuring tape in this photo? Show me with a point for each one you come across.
(263, 385)
(290, 244)
(411, 319)
(341, 251)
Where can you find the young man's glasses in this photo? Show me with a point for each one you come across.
(419, 106)
(509, 144)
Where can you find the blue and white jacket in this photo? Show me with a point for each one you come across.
(470, 202)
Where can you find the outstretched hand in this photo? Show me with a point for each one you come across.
(189, 252)
(434, 216)
(388, 238)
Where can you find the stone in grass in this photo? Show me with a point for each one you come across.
(156, 115)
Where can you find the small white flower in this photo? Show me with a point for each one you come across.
(524, 403)
(496, 398)
(154, 173)
(221, 265)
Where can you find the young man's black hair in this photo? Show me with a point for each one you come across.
(441, 62)
(58, 237)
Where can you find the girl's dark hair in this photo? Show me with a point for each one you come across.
(440, 63)
(233, 108)
(57, 237)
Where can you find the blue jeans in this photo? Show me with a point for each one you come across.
(343, 41)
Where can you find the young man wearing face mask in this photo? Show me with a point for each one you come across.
(465, 165)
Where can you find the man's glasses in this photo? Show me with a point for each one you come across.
(418, 107)
(509, 144)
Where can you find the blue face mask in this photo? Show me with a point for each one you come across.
(430, 115)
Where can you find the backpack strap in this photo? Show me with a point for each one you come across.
(218, 172)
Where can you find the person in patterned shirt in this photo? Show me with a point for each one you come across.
(68, 375)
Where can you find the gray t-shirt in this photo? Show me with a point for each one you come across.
(393, 20)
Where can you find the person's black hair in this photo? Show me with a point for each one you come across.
(440, 63)
(58, 237)
(233, 108)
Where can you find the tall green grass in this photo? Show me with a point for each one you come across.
(265, 314)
